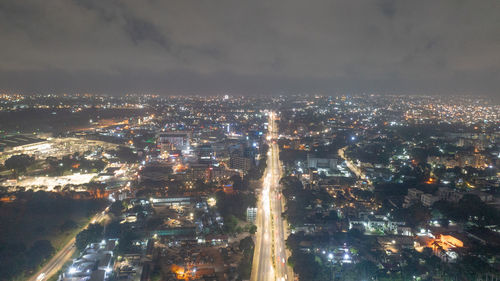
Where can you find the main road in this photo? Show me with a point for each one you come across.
(356, 170)
(61, 257)
(270, 256)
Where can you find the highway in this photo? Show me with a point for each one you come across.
(270, 256)
(61, 257)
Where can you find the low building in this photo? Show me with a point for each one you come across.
(428, 199)
(412, 197)
(374, 224)
(95, 263)
(448, 194)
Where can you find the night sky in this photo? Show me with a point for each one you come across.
(250, 47)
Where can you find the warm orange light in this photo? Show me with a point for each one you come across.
(448, 239)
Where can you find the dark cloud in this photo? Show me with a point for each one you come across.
(141, 30)
(388, 8)
(106, 10)
(119, 46)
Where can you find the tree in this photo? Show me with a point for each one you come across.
(125, 244)
(154, 222)
(230, 224)
(40, 250)
(92, 234)
(116, 208)
(473, 208)
(19, 162)
(234, 204)
(247, 247)
(126, 154)
(68, 225)
(469, 208)
(252, 229)
(305, 265)
(12, 259)
(364, 270)
(416, 215)
(113, 229)
(332, 216)
(471, 267)
(246, 244)
(239, 183)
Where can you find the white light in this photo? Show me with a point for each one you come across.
(72, 270)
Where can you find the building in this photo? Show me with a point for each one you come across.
(444, 246)
(56, 147)
(198, 172)
(220, 173)
(378, 224)
(95, 263)
(241, 163)
(171, 201)
(448, 194)
(412, 197)
(167, 141)
(321, 162)
(206, 154)
(251, 214)
(462, 160)
(452, 195)
(186, 231)
(21, 142)
(428, 199)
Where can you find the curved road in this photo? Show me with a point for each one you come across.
(61, 257)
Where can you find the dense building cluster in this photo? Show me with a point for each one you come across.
(374, 187)
(410, 183)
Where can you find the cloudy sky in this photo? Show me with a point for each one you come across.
(248, 47)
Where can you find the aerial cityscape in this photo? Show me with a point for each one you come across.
(288, 140)
(313, 187)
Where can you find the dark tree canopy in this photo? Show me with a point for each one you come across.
(93, 234)
(19, 162)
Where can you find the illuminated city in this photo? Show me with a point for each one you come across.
(249, 140)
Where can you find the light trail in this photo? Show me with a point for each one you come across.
(270, 255)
